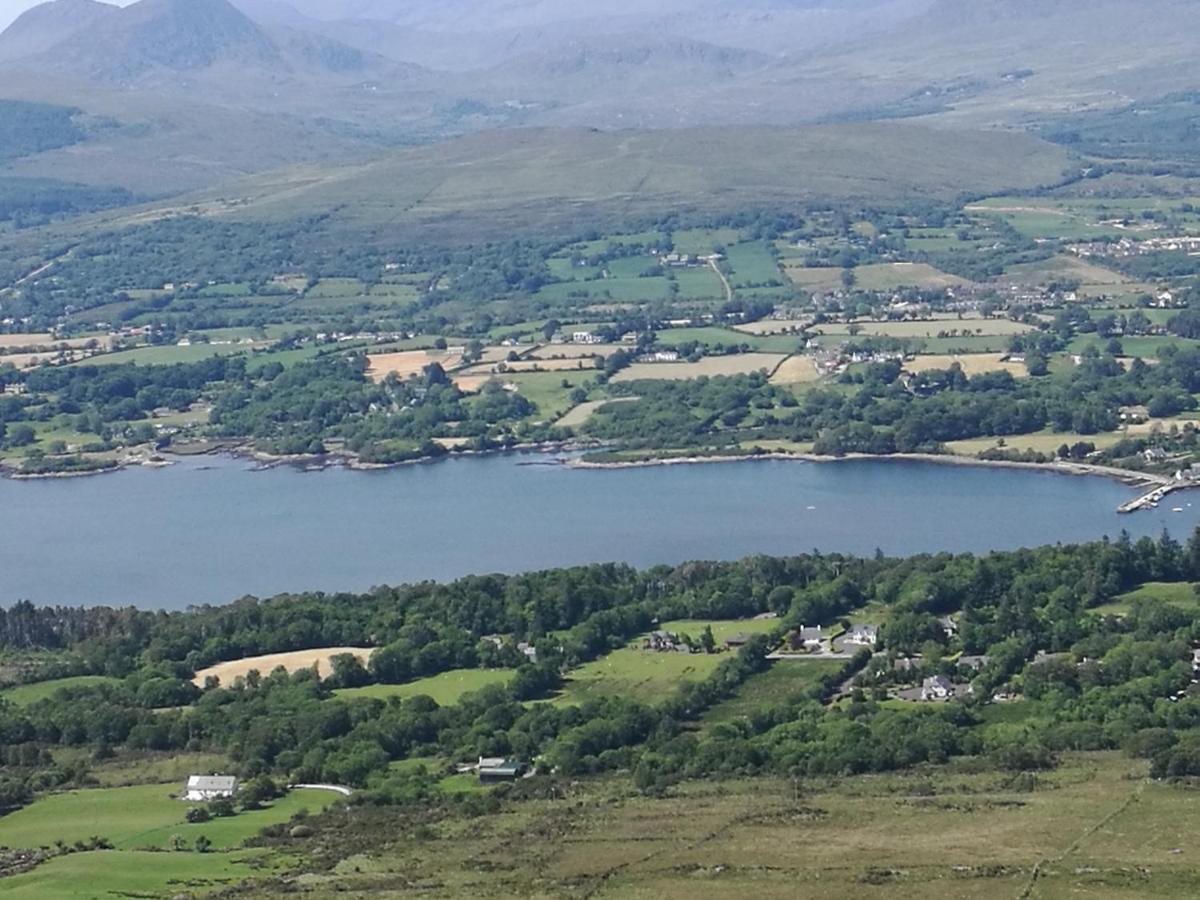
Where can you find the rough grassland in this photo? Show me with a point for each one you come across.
(549, 179)
(770, 688)
(293, 662)
(141, 817)
(1094, 828)
(737, 364)
(445, 689)
(25, 694)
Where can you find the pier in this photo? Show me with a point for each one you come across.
(1156, 496)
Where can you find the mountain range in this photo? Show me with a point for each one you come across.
(192, 93)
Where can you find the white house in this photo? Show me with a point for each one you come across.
(862, 635)
(209, 787)
(938, 687)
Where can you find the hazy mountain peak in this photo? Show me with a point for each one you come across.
(38, 29)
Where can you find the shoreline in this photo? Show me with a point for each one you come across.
(1129, 477)
(346, 459)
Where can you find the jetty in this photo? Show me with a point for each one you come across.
(1156, 496)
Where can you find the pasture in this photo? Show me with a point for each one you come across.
(1182, 595)
(636, 674)
(893, 276)
(141, 817)
(971, 363)
(445, 688)
(112, 873)
(581, 413)
(710, 366)
(722, 629)
(767, 689)
(294, 661)
(27, 694)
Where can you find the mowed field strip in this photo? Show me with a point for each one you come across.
(293, 662)
(736, 364)
(797, 370)
(925, 328)
(972, 364)
(407, 363)
(580, 414)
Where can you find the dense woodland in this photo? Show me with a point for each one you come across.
(1104, 685)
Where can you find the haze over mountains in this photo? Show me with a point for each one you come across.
(180, 94)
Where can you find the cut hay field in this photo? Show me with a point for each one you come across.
(971, 363)
(774, 326)
(293, 662)
(711, 366)
(445, 688)
(1097, 827)
(576, 364)
(575, 351)
(1046, 442)
(26, 694)
(927, 328)
(408, 362)
(141, 817)
(38, 341)
(797, 370)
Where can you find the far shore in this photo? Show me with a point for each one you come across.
(1126, 476)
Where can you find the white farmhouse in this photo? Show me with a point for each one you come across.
(203, 788)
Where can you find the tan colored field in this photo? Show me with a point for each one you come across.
(583, 411)
(501, 354)
(774, 326)
(409, 362)
(890, 276)
(796, 370)
(927, 328)
(293, 662)
(737, 364)
(452, 443)
(1163, 425)
(33, 360)
(881, 277)
(578, 364)
(472, 384)
(8, 341)
(972, 364)
(825, 279)
(576, 351)
(1043, 442)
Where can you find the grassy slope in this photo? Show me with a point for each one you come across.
(145, 816)
(25, 694)
(445, 688)
(544, 180)
(1096, 827)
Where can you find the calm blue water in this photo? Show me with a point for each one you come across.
(212, 530)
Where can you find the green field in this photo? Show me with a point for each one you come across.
(25, 694)
(167, 355)
(1184, 595)
(770, 688)
(141, 817)
(722, 629)
(110, 874)
(639, 675)
(445, 689)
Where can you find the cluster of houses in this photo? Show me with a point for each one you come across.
(1127, 247)
(687, 260)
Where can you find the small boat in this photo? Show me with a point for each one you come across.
(1177, 509)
